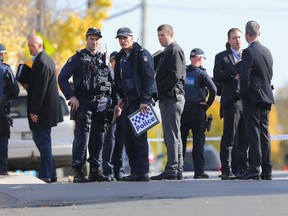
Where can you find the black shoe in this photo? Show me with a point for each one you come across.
(136, 177)
(4, 173)
(47, 180)
(96, 175)
(241, 172)
(201, 175)
(266, 176)
(179, 175)
(79, 176)
(164, 175)
(227, 176)
(249, 175)
(54, 179)
(112, 178)
(119, 176)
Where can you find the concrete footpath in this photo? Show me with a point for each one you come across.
(31, 197)
(21, 178)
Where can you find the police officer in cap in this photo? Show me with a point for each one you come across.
(134, 78)
(91, 96)
(197, 84)
(9, 89)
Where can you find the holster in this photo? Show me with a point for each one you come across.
(5, 122)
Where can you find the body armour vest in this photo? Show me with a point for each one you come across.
(194, 92)
(95, 74)
(127, 76)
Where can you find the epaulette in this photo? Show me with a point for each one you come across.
(5, 64)
(82, 52)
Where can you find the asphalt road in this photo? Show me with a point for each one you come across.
(187, 197)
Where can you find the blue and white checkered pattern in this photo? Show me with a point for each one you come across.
(142, 122)
(140, 117)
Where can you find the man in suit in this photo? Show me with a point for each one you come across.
(44, 110)
(256, 93)
(226, 69)
(170, 76)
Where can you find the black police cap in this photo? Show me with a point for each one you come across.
(93, 31)
(2, 48)
(197, 52)
(113, 54)
(124, 31)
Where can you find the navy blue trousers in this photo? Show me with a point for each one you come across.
(3, 153)
(42, 139)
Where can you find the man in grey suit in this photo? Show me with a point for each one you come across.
(170, 76)
(256, 93)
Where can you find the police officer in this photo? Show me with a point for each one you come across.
(197, 83)
(113, 154)
(91, 96)
(134, 78)
(9, 89)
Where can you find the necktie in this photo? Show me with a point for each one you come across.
(239, 56)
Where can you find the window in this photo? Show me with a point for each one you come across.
(19, 107)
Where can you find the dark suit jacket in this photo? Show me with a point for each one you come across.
(43, 96)
(171, 69)
(224, 72)
(256, 74)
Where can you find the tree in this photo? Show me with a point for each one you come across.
(281, 104)
(15, 18)
(68, 35)
(62, 37)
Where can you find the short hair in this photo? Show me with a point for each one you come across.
(252, 28)
(167, 27)
(232, 30)
(227, 45)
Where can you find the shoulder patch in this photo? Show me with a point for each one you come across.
(145, 58)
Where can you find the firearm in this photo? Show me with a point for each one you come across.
(106, 118)
(209, 122)
(5, 123)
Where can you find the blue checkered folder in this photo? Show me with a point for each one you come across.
(143, 122)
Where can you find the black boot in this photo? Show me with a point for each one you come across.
(79, 176)
(95, 174)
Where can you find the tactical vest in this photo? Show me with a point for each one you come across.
(194, 91)
(128, 79)
(95, 79)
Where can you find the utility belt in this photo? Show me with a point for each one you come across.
(90, 95)
(196, 105)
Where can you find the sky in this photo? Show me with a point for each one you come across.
(203, 24)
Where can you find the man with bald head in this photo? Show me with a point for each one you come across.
(44, 110)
